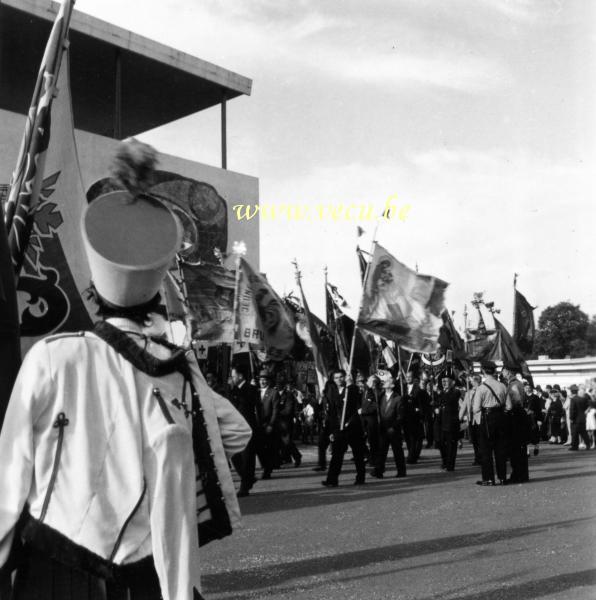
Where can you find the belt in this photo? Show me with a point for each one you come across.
(52, 543)
(492, 409)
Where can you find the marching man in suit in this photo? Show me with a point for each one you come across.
(391, 419)
(345, 427)
(269, 411)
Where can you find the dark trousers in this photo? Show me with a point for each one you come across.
(579, 430)
(245, 461)
(429, 430)
(414, 433)
(341, 440)
(391, 438)
(473, 433)
(371, 428)
(271, 450)
(518, 456)
(286, 437)
(492, 443)
(323, 444)
(448, 448)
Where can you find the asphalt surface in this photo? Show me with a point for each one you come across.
(433, 535)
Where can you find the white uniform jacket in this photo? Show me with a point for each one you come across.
(102, 453)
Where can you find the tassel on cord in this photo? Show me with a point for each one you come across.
(133, 166)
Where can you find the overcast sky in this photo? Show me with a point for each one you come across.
(479, 114)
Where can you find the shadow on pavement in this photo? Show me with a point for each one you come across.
(266, 577)
(531, 589)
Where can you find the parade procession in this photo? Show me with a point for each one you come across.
(222, 387)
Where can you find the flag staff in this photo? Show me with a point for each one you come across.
(353, 344)
(514, 311)
(239, 250)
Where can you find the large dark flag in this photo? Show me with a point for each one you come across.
(505, 349)
(449, 339)
(402, 305)
(342, 328)
(524, 328)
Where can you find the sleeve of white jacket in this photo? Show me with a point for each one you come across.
(32, 389)
(235, 431)
(173, 514)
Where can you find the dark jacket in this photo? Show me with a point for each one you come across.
(369, 402)
(577, 409)
(270, 406)
(414, 406)
(449, 410)
(335, 405)
(246, 400)
(391, 412)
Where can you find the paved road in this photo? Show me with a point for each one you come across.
(431, 536)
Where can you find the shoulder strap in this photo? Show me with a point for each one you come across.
(492, 392)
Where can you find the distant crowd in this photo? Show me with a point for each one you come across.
(504, 418)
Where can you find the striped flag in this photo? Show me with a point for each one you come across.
(27, 178)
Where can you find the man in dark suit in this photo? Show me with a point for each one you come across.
(287, 410)
(345, 428)
(414, 405)
(578, 405)
(269, 399)
(391, 420)
(245, 398)
(449, 419)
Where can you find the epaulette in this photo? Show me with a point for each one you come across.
(59, 336)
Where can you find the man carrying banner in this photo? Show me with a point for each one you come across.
(114, 446)
(345, 428)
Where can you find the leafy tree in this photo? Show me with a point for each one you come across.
(562, 330)
(591, 337)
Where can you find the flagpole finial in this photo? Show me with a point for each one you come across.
(239, 248)
(297, 273)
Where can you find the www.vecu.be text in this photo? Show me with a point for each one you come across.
(319, 212)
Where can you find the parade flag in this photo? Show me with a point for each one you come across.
(388, 354)
(400, 304)
(210, 297)
(362, 262)
(505, 349)
(262, 319)
(343, 328)
(315, 342)
(449, 339)
(27, 178)
(54, 273)
(524, 328)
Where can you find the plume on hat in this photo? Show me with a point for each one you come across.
(133, 166)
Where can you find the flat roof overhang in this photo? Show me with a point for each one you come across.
(122, 83)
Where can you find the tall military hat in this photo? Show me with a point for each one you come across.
(130, 237)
